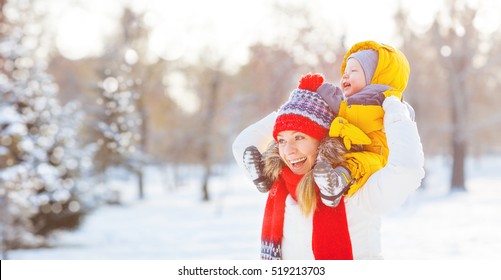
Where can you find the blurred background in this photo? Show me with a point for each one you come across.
(95, 91)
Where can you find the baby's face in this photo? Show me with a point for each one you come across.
(353, 79)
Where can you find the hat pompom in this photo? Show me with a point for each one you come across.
(306, 111)
(311, 82)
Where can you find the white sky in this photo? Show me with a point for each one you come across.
(223, 23)
(228, 27)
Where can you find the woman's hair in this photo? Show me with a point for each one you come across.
(330, 149)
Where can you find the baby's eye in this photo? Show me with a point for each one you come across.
(281, 141)
(299, 137)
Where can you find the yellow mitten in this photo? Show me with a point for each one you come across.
(351, 134)
(361, 166)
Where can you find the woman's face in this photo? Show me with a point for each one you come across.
(298, 150)
(353, 79)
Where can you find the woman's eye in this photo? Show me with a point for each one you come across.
(299, 137)
(281, 141)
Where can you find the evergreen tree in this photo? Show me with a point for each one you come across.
(40, 164)
(118, 120)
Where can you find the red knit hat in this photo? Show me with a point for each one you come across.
(306, 111)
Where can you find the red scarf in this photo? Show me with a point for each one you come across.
(330, 236)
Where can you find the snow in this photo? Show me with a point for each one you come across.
(171, 229)
(174, 224)
(167, 224)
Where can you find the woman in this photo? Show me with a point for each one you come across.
(294, 230)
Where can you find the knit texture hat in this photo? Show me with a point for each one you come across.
(368, 59)
(306, 111)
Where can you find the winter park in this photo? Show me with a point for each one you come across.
(116, 135)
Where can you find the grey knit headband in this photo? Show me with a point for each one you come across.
(368, 59)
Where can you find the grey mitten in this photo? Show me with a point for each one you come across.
(253, 162)
(332, 182)
(332, 95)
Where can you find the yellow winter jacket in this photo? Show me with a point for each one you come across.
(392, 70)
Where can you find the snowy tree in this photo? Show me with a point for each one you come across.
(129, 79)
(116, 120)
(40, 163)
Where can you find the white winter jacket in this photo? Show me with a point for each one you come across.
(385, 190)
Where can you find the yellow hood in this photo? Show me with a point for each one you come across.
(392, 69)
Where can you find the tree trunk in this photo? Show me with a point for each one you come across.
(140, 179)
(144, 138)
(208, 132)
(4, 216)
(205, 183)
(458, 159)
(458, 95)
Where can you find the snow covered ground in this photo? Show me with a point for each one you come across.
(175, 225)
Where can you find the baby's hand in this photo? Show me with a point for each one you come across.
(340, 127)
(332, 95)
